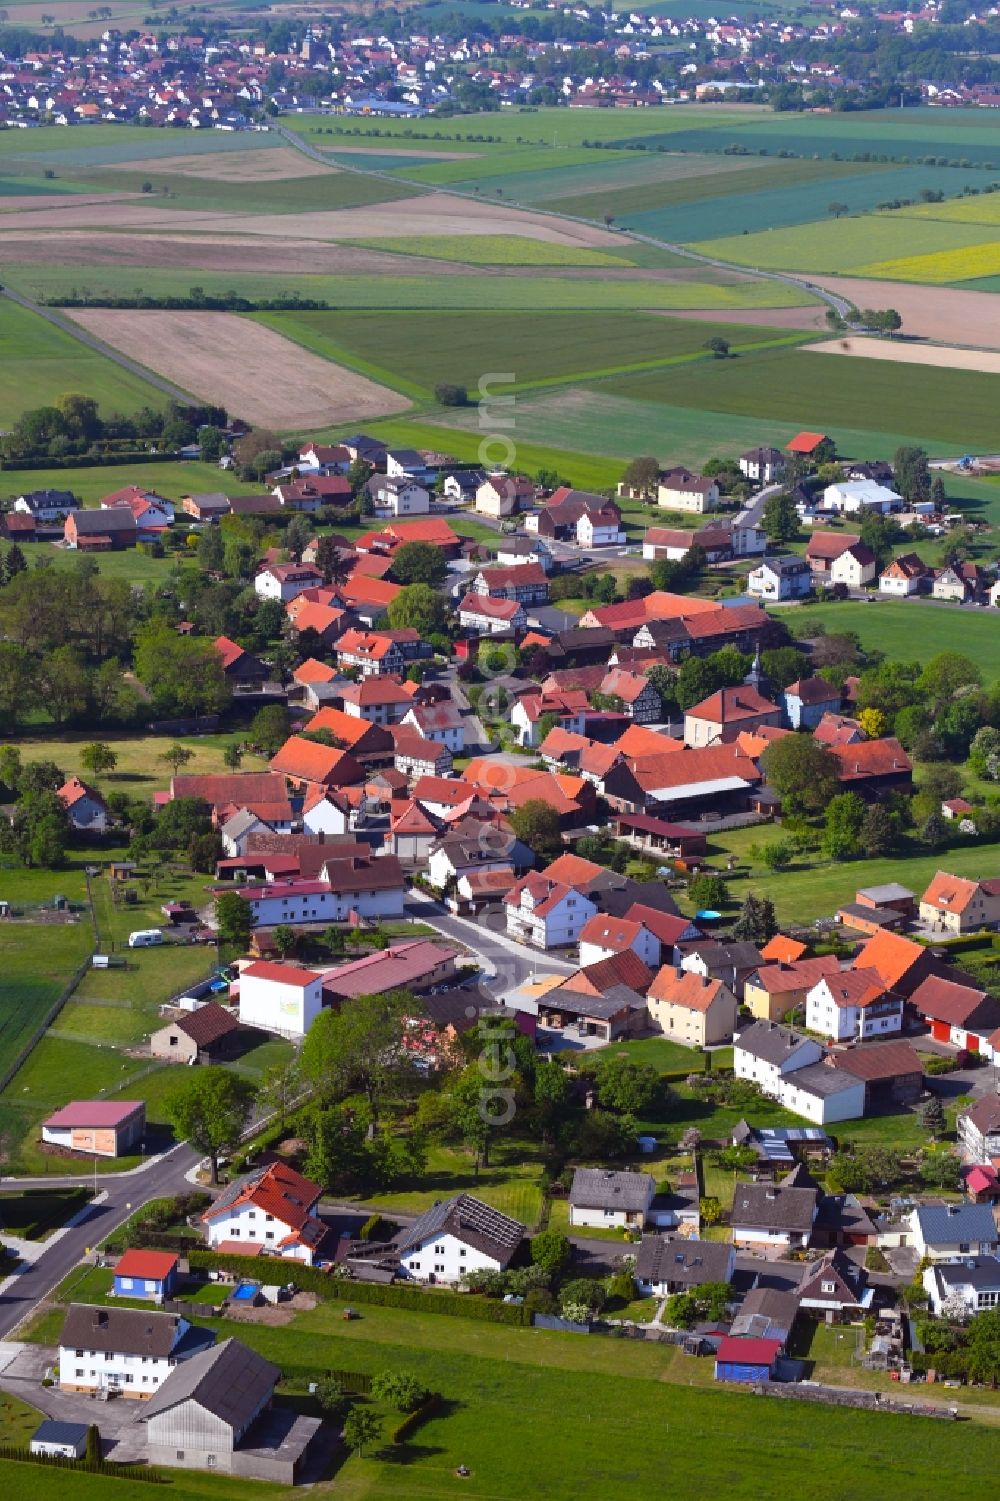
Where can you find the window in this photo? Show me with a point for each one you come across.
(963, 1246)
(269, 1217)
(829, 1287)
(125, 1281)
(180, 1453)
(173, 1039)
(462, 1251)
(268, 1234)
(252, 1214)
(210, 1461)
(78, 1354)
(79, 1374)
(414, 1266)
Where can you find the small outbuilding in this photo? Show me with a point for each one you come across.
(60, 1440)
(146, 1274)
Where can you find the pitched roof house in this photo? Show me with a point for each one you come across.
(270, 1208)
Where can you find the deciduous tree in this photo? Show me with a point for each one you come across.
(210, 1108)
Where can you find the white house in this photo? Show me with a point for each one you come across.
(601, 528)
(399, 497)
(85, 807)
(285, 581)
(749, 536)
(680, 490)
(781, 578)
(456, 1237)
(272, 1208)
(856, 566)
(604, 936)
(367, 887)
(60, 1440)
(323, 812)
(546, 913)
(610, 1200)
(853, 1005)
(944, 1232)
(130, 1351)
(504, 494)
(439, 722)
(850, 496)
(766, 1052)
(904, 576)
(46, 505)
(764, 465)
(965, 1287)
(491, 617)
(823, 1095)
(280, 998)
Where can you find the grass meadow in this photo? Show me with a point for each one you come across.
(913, 630)
(39, 362)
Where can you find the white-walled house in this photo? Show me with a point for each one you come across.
(780, 578)
(281, 998)
(271, 1208)
(971, 1285)
(610, 1200)
(285, 581)
(546, 913)
(456, 1237)
(851, 496)
(765, 1052)
(601, 528)
(439, 722)
(603, 936)
(491, 617)
(853, 1005)
(944, 1232)
(399, 496)
(85, 807)
(126, 1350)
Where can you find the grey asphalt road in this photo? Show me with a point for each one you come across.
(513, 963)
(125, 1192)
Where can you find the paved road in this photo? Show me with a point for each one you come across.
(77, 332)
(512, 962)
(122, 1194)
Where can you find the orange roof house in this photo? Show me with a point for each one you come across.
(303, 760)
(806, 443)
(901, 963)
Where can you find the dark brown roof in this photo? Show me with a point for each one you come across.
(208, 1024)
(880, 1060)
(129, 1331)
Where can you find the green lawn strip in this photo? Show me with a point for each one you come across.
(39, 362)
(33, 1214)
(171, 479)
(490, 250)
(141, 767)
(511, 1183)
(559, 1220)
(912, 630)
(18, 1422)
(666, 1056)
(695, 356)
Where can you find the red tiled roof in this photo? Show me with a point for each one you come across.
(829, 545)
(229, 651)
(278, 1190)
(155, 1265)
(307, 761)
(871, 758)
(280, 974)
(892, 955)
(805, 443)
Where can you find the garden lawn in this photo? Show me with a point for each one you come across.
(172, 479)
(631, 1424)
(39, 362)
(913, 630)
(665, 1056)
(18, 1421)
(949, 408)
(512, 1182)
(38, 960)
(141, 768)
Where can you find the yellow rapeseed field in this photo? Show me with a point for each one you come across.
(984, 208)
(940, 268)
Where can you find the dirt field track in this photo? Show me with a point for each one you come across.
(808, 318)
(270, 164)
(249, 369)
(946, 314)
(983, 361)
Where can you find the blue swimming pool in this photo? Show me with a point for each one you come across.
(245, 1293)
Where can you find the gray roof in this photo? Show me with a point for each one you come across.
(125, 1331)
(766, 1313)
(229, 1380)
(942, 1224)
(768, 1041)
(759, 1206)
(616, 998)
(691, 1262)
(889, 891)
(241, 822)
(817, 1079)
(601, 1188)
(108, 519)
(54, 1432)
(470, 1221)
(781, 565)
(979, 1272)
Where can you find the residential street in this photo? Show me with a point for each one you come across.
(511, 962)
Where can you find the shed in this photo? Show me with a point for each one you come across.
(60, 1440)
(150, 1275)
(746, 1360)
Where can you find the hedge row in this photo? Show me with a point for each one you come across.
(88, 461)
(335, 1289)
(91, 1466)
(414, 1419)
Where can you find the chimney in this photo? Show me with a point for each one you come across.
(679, 971)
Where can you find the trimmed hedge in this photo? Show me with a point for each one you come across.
(336, 1289)
(90, 1466)
(413, 1420)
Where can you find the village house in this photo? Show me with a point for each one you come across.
(807, 700)
(604, 935)
(781, 578)
(457, 1236)
(382, 700)
(503, 495)
(855, 567)
(971, 1284)
(978, 1130)
(667, 1264)
(944, 1232)
(824, 548)
(396, 496)
(673, 546)
(527, 583)
(101, 531)
(440, 722)
(491, 617)
(149, 1275)
(529, 711)
(772, 992)
(282, 998)
(890, 1071)
(958, 1013)
(600, 1198)
(47, 505)
(874, 768)
(209, 506)
(763, 465)
(958, 905)
(681, 490)
(373, 653)
(904, 576)
(270, 1209)
(306, 762)
(85, 807)
(724, 715)
(776, 1216)
(546, 913)
(416, 756)
(853, 1005)
(126, 1351)
(284, 581)
(691, 1008)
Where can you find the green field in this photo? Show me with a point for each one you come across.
(494, 250)
(319, 192)
(39, 362)
(840, 246)
(945, 407)
(913, 630)
(171, 479)
(422, 349)
(38, 960)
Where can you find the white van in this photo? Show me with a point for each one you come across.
(145, 938)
